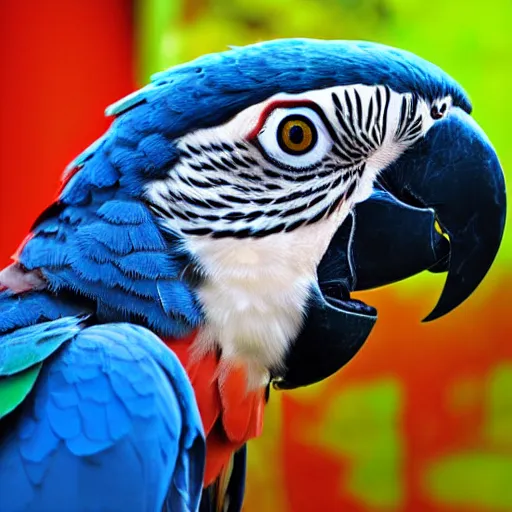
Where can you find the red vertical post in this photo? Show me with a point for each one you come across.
(61, 64)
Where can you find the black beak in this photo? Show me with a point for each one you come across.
(455, 171)
(392, 241)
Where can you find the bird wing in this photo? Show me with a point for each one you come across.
(99, 244)
(111, 423)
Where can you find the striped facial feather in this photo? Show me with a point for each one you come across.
(257, 217)
(235, 180)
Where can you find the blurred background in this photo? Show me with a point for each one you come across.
(421, 420)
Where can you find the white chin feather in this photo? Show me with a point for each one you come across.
(256, 293)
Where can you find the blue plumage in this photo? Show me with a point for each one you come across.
(31, 345)
(113, 253)
(112, 424)
(213, 88)
(32, 308)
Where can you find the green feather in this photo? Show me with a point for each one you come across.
(31, 345)
(15, 388)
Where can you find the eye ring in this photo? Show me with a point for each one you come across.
(277, 149)
(296, 134)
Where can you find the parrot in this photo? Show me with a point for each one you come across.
(205, 249)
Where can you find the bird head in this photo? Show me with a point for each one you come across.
(267, 142)
(276, 136)
(330, 124)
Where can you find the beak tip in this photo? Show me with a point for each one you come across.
(464, 184)
(431, 317)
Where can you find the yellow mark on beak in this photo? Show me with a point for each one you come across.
(439, 229)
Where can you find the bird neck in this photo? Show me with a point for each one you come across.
(230, 413)
(255, 293)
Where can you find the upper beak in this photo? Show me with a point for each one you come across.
(453, 177)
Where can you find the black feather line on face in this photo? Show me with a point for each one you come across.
(359, 135)
(385, 114)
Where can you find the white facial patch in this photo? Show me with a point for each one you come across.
(241, 178)
(258, 199)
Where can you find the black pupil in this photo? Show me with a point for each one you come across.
(296, 134)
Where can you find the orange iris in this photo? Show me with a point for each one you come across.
(296, 136)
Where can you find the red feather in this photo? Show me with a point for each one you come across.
(231, 415)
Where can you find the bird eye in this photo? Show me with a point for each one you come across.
(294, 137)
(296, 134)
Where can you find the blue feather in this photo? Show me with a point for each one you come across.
(159, 151)
(148, 265)
(94, 272)
(76, 191)
(123, 105)
(102, 172)
(28, 346)
(123, 212)
(126, 159)
(147, 238)
(82, 248)
(175, 296)
(86, 155)
(120, 436)
(40, 252)
(73, 216)
(115, 238)
(35, 307)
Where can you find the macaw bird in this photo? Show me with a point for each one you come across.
(207, 245)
